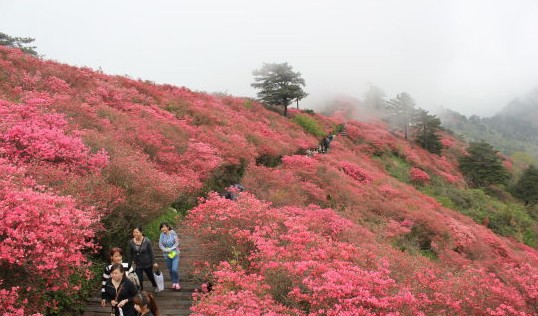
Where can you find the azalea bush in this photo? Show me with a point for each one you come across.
(302, 262)
(418, 176)
(45, 239)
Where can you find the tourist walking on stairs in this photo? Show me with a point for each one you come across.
(169, 244)
(145, 304)
(119, 292)
(116, 256)
(141, 256)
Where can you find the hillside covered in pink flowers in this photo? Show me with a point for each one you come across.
(376, 226)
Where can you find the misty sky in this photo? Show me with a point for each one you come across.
(470, 56)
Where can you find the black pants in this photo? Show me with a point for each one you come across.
(149, 272)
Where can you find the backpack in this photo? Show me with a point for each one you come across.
(134, 278)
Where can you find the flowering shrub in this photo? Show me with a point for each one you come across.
(297, 260)
(355, 172)
(44, 239)
(299, 162)
(31, 136)
(447, 142)
(418, 176)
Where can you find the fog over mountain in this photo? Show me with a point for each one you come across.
(470, 56)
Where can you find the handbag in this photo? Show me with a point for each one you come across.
(116, 299)
(159, 279)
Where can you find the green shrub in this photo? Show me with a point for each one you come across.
(248, 103)
(417, 241)
(339, 128)
(501, 216)
(310, 125)
(151, 230)
(74, 303)
(396, 166)
(224, 176)
(269, 160)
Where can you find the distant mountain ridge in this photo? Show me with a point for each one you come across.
(513, 129)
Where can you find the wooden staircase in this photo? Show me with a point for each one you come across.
(170, 302)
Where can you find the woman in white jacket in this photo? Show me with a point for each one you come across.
(169, 244)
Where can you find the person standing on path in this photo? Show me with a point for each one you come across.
(116, 256)
(169, 244)
(141, 256)
(119, 291)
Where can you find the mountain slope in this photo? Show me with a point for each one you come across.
(512, 130)
(351, 231)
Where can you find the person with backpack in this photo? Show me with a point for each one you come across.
(116, 256)
(141, 256)
(119, 292)
(169, 244)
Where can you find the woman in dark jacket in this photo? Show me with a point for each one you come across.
(119, 291)
(142, 258)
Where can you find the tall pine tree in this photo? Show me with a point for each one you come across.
(482, 166)
(526, 189)
(401, 111)
(426, 127)
(18, 42)
(279, 85)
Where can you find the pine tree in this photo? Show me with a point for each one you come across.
(482, 166)
(279, 85)
(401, 111)
(526, 188)
(18, 42)
(426, 127)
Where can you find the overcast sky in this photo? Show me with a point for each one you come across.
(470, 56)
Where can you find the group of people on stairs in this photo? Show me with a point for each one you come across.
(123, 282)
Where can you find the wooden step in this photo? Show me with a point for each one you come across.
(170, 302)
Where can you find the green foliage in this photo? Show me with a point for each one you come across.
(510, 132)
(224, 176)
(71, 304)
(309, 125)
(179, 109)
(374, 98)
(339, 128)
(512, 220)
(248, 103)
(308, 111)
(184, 203)
(426, 127)
(18, 42)
(503, 218)
(396, 166)
(523, 158)
(281, 283)
(417, 241)
(482, 167)
(400, 112)
(151, 230)
(269, 160)
(526, 189)
(279, 85)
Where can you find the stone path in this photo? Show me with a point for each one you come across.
(170, 302)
